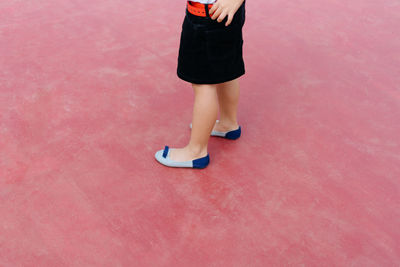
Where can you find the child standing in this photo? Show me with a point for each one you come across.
(211, 59)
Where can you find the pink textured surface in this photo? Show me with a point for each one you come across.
(88, 93)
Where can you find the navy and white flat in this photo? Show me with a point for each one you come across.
(232, 135)
(162, 156)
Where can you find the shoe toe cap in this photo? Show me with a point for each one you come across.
(159, 154)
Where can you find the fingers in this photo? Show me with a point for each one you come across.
(219, 12)
(213, 8)
(230, 18)
(222, 16)
(216, 13)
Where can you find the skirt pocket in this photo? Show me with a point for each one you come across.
(191, 56)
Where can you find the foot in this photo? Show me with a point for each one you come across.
(164, 157)
(185, 154)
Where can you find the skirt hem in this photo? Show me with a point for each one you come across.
(202, 81)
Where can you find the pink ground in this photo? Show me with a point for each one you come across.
(89, 92)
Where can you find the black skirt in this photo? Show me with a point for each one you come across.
(209, 51)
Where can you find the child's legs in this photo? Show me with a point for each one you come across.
(228, 98)
(205, 113)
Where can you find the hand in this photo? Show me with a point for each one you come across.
(223, 8)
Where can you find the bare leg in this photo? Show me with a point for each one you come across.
(205, 112)
(228, 98)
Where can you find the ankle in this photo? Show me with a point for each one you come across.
(228, 124)
(197, 151)
(228, 119)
